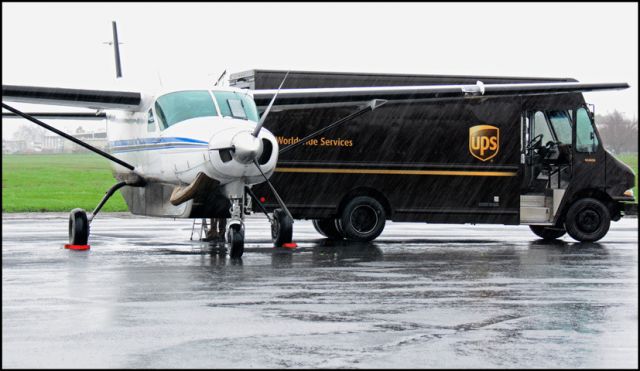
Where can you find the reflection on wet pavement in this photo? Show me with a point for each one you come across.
(419, 296)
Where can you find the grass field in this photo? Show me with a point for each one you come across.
(631, 159)
(63, 182)
(59, 182)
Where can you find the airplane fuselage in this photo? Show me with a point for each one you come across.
(174, 153)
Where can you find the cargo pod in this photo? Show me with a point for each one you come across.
(525, 151)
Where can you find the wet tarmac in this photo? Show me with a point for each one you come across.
(420, 296)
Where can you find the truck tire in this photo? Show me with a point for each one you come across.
(327, 228)
(547, 233)
(363, 219)
(587, 220)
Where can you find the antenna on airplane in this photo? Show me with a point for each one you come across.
(116, 48)
(220, 78)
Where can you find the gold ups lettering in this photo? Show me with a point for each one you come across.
(484, 141)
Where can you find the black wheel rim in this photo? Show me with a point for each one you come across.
(364, 219)
(588, 220)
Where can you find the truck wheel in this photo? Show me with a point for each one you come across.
(78, 227)
(327, 228)
(547, 233)
(281, 228)
(587, 220)
(363, 219)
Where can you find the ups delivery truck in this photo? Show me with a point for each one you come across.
(533, 159)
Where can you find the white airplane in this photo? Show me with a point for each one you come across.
(195, 153)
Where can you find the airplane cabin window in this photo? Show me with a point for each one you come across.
(236, 105)
(176, 107)
(151, 122)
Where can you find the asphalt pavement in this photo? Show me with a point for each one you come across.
(420, 296)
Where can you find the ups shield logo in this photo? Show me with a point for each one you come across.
(484, 141)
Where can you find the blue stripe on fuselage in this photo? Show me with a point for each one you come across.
(148, 144)
(139, 141)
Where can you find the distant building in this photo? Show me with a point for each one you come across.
(96, 139)
(13, 146)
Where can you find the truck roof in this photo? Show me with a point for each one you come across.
(270, 79)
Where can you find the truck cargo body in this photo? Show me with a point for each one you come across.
(438, 160)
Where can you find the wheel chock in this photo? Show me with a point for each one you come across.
(290, 245)
(77, 247)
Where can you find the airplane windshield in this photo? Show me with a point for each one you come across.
(175, 107)
(236, 105)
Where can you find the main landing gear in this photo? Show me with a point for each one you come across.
(80, 221)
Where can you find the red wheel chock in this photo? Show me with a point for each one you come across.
(77, 247)
(290, 245)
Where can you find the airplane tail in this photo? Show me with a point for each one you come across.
(116, 49)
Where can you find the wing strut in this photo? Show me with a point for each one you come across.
(67, 136)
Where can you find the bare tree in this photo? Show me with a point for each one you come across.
(619, 133)
(30, 133)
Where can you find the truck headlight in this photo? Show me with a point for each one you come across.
(629, 193)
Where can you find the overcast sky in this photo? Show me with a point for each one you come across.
(62, 44)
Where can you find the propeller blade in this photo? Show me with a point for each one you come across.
(372, 105)
(275, 193)
(266, 112)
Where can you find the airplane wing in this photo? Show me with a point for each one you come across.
(94, 99)
(83, 116)
(330, 97)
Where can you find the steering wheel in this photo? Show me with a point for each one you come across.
(535, 142)
(550, 144)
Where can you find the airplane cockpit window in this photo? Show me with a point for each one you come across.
(183, 105)
(236, 105)
(561, 125)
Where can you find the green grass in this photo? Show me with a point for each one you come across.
(63, 182)
(631, 159)
(57, 182)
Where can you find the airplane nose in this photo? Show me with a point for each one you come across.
(246, 147)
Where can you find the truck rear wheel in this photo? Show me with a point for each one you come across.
(327, 228)
(363, 219)
(587, 220)
(547, 233)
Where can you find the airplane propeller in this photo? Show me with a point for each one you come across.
(266, 112)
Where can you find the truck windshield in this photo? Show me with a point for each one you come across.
(561, 125)
(236, 105)
(175, 107)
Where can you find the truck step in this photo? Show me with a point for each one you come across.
(534, 214)
(532, 201)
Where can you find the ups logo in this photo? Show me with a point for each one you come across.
(484, 141)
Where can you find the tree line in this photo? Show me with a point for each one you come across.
(619, 133)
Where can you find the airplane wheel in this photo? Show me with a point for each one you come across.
(547, 233)
(78, 227)
(588, 220)
(236, 241)
(363, 219)
(281, 228)
(327, 228)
